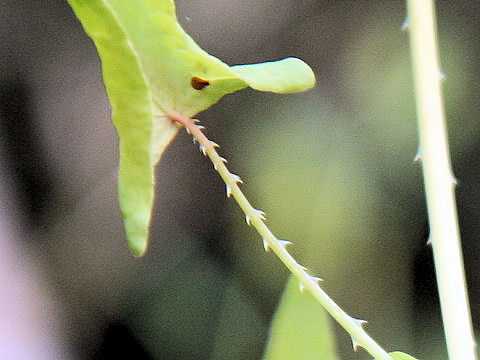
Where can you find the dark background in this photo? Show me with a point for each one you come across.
(333, 169)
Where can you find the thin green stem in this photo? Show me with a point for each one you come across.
(439, 182)
(255, 217)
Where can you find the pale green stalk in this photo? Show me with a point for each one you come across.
(439, 182)
(255, 217)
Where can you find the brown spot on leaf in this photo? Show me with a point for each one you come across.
(198, 83)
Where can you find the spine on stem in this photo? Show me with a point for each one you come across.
(255, 218)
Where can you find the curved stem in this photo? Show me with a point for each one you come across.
(255, 217)
(439, 182)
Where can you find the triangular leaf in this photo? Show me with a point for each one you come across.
(301, 329)
(397, 355)
(151, 67)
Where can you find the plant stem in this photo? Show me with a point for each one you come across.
(255, 217)
(439, 182)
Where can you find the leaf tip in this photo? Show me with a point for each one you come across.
(138, 251)
(288, 75)
(397, 355)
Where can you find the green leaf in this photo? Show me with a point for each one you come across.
(151, 67)
(397, 355)
(301, 329)
(272, 76)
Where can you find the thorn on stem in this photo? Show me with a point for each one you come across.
(429, 240)
(356, 345)
(266, 246)
(316, 279)
(236, 179)
(418, 157)
(215, 166)
(360, 322)
(257, 213)
(229, 190)
(454, 181)
(283, 243)
(313, 278)
(261, 214)
(202, 149)
(405, 25)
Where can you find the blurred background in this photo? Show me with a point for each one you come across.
(332, 168)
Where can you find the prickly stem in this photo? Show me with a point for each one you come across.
(439, 182)
(255, 218)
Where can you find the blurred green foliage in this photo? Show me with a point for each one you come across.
(301, 329)
(333, 169)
